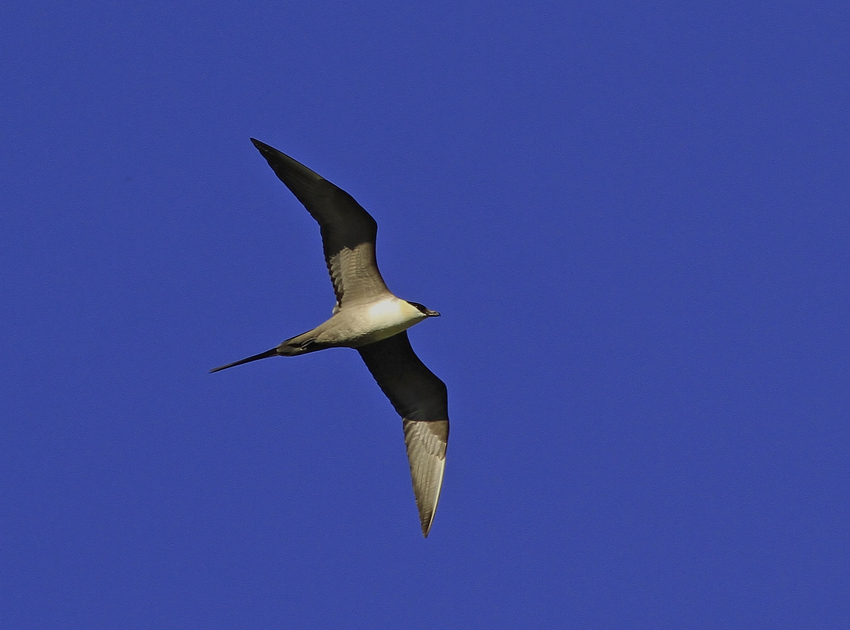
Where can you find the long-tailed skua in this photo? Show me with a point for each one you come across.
(369, 318)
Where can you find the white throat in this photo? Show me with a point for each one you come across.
(393, 312)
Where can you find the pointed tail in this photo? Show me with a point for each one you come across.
(262, 355)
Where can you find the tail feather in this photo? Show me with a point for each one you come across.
(263, 355)
(300, 344)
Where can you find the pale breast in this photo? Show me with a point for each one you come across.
(385, 319)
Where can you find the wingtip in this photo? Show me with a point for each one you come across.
(426, 528)
(426, 443)
(426, 518)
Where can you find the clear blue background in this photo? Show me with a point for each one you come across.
(632, 215)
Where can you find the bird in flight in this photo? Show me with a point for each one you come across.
(370, 319)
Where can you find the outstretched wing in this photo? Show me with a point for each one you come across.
(348, 231)
(421, 399)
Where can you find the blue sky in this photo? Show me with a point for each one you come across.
(633, 217)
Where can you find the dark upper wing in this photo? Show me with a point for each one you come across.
(348, 231)
(421, 399)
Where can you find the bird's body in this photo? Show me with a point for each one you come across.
(361, 324)
(369, 318)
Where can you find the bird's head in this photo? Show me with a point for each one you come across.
(427, 312)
